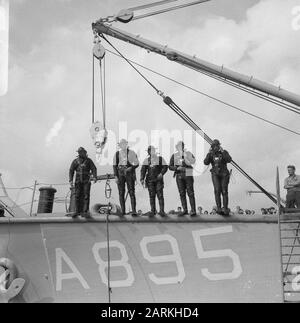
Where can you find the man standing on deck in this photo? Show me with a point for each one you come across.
(292, 185)
(181, 164)
(125, 164)
(84, 168)
(219, 159)
(152, 177)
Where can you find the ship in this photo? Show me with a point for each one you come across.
(50, 257)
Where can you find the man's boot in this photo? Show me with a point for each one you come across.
(184, 206)
(153, 212)
(193, 206)
(218, 202)
(122, 205)
(225, 202)
(133, 205)
(162, 207)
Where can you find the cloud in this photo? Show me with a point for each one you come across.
(55, 77)
(54, 131)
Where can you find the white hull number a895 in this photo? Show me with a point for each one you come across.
(174, 257)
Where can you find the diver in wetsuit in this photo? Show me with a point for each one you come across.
(181, 164)
(152, 176)
(125, 164)
(219, 159)
(84, 167)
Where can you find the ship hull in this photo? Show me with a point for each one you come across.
(149, 261)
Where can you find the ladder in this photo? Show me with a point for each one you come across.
(289, 236)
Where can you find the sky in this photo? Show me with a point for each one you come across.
(46, 114)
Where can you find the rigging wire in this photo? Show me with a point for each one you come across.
(169, 9)
(103, 89)
(150, 5)
(93, 90)
(188, 120)
(265, 97)
(209, 96)
(128, 61)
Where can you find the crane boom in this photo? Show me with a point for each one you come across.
(100, 27)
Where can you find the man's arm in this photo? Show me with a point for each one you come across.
(286, 185)
(164, 166)
(144, 170)
(297, 184)
(189, 159)
(115, 164)
(227, 157)
(135, 161)
(207, 159)
(93, 169)
(172, 166)
(72, 171)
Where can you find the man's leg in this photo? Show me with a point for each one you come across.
(86, 197)
(160, 196)
(290, 200)
(224, 186)
(121, 188)
(217, 189)
(152, 195)
(297, 198)
(191, 194)
(131, 190)
(78, 197)
(181, 184)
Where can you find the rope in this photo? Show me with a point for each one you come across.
(58, 184)
(104, 112)
(151, 84)
(180, 113)
(169, 9)
(154, 4)
(265, 97)
(103, 90)
(216, 99)
(168, 101)
(19, 188)
(93, 91)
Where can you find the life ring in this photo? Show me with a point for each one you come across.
(103, 208)
(10, 285)
(9, 265)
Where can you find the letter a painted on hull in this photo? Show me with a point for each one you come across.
(74, 274)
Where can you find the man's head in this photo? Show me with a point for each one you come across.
(123, 144)
(151, 151)
(179, 209)
(215, 145)
(291, 170)
(180, 146)
(82, 152)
